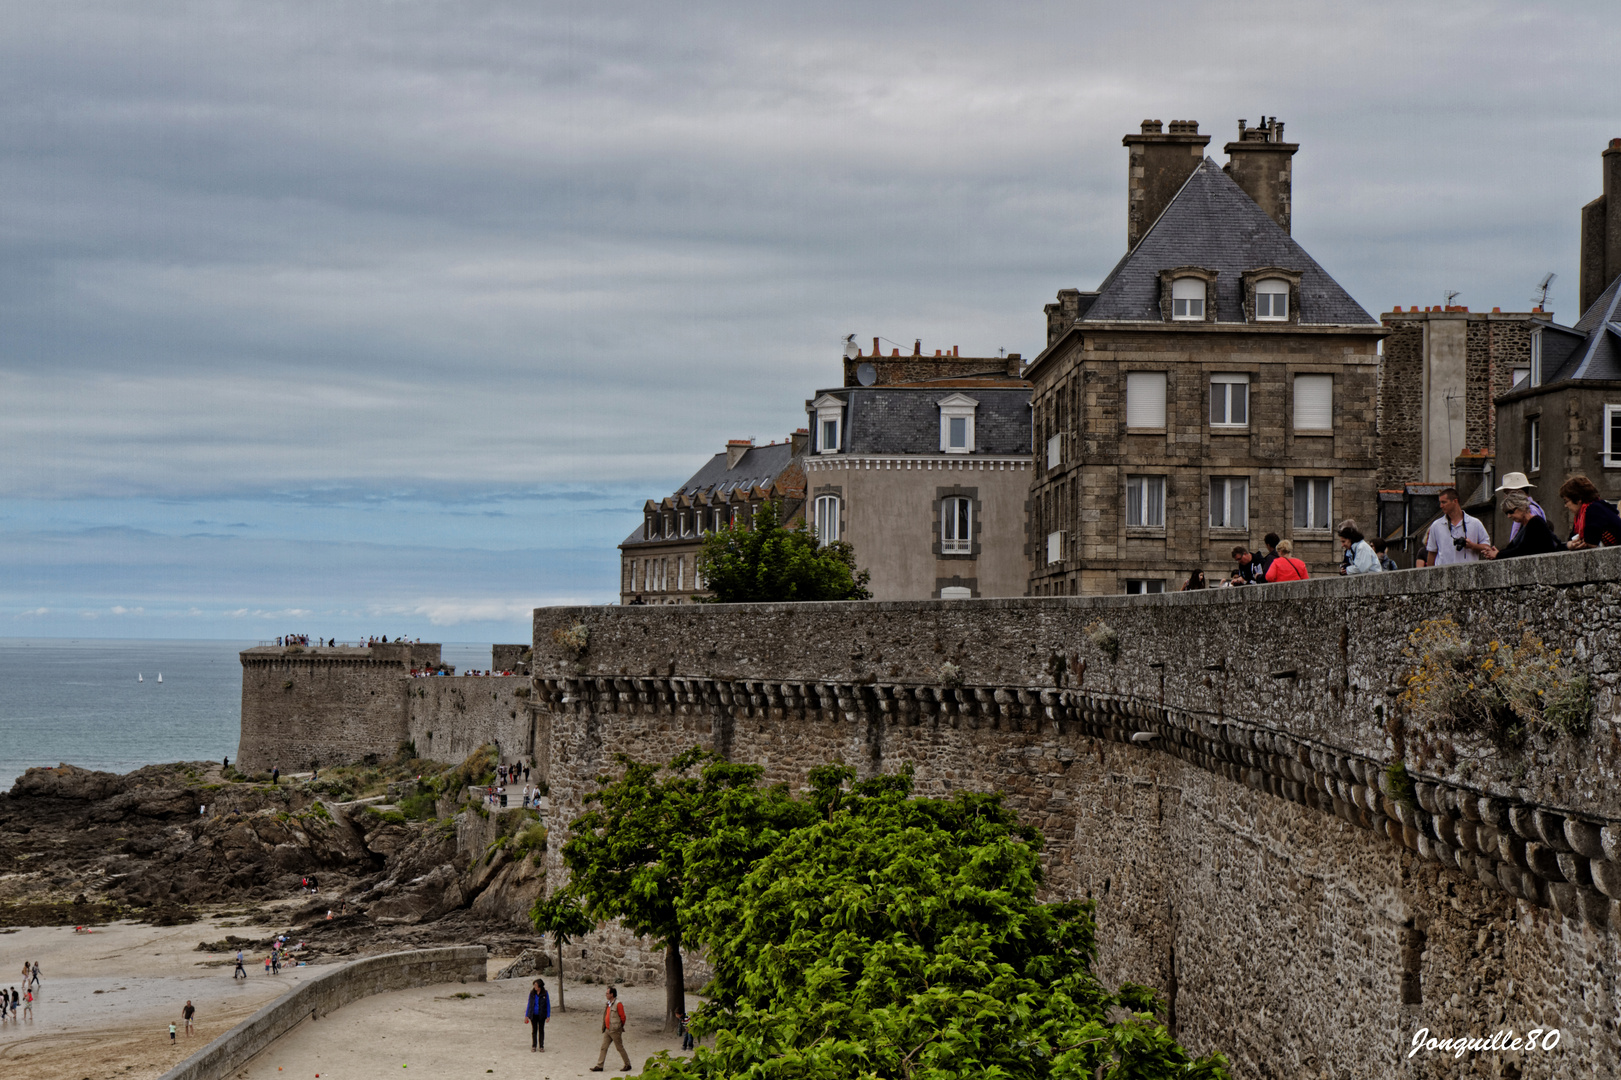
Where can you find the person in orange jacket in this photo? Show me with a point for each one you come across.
(613, 1031)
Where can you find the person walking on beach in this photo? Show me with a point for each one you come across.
(28, 1011)
(613, 1031)
(535, 1014)
(171, 1033)
(240, 970)
(186, 1014)
(36, 975)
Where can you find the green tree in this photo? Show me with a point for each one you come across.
(626, 853)
(899, 937)
(561, 916)
(767, 563)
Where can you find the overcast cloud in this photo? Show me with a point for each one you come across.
(451, 287)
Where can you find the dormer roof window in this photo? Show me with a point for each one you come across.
(957, 424)
(1272, 300)
(829, 423)
(1188, 294)
(1187, 299)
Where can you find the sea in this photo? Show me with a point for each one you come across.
(97, 702)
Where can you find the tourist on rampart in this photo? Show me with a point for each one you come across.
(1531, 535)
(1454, 537)
(1360, 555)
(1385, 561)
(1285, 567)
(1271, 542)
(1594, 522)
(1249, 568)
(613, 1031)
(1195, 581)
(535, 1014)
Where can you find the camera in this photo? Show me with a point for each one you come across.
(1457, 543)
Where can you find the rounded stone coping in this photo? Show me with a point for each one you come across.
(326, 992)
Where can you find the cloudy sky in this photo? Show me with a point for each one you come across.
(354, 318)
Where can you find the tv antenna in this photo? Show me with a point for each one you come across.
(1452, 294)
(1541, 297)
(851, 349)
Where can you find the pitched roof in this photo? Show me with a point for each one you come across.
(1596, 341)
(1213, 224)
(892, 420)
(758, 467)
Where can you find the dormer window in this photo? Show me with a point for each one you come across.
(957, 424)
(829, 423)
(1272, 300)
(1187, 299)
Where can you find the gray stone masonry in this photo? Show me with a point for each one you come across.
(1210, 768)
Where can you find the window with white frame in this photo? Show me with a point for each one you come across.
(1229, 502)
(1271, 300)
(681, 572)
(829, 423)
(1533, 444)
(1055, 445)
(1187, 299)
(1145, 399)
(1314, 502)
(956, 525)
(1145, 502)
(827, 519)
(1229, 401)
(1612, 436)
(632, 587)
(1140, 586)
(1055, 547)
(1536, 358)
(1314, 402)
(957, 424)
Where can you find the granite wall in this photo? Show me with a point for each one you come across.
(1211, 768)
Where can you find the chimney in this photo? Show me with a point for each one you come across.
(735, 449)
(917, 347)
(1157, 167)
(1259, 162)
(800, 441)
(1601, 232)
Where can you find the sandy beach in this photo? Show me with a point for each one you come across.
(106, 998)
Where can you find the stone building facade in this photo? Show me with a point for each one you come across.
(1218, 385)
(923, 465)
(658, 563)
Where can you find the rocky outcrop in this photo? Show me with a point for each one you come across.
(529, 962)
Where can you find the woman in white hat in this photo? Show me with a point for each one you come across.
(1518, 481)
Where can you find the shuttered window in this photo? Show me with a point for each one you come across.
(1314, 402)
(1145, 399)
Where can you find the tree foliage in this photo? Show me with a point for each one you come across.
(862, 932)
(767, 563)
(562, 917)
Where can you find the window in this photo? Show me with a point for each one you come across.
(1536, 358)
(956, 526)
(956, 592)
(1230, 401)
(1314, 502)
(1533, 445)
(827, 519)
(1519, 376)
(829, 423)
(1612, 436)
(1145, 502)
(1229, 502)
(1314, 402)
(1054, 451)
(1140, 586)
(957, 424)
(1187, 299)
(632, 576)
(1271, 300)
(1055, 547)
(1145, 399)
(681, 572)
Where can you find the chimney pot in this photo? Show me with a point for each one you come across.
(1615, 144)
(954, 350)
(1151, 127)
(917, 347)
(876, 351)
(894, 352)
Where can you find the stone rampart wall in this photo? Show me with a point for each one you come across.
(450, 717)
(324, 993)
(299, 708)
(1217, 784)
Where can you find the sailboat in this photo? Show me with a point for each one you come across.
(160, 676)
(139, 677)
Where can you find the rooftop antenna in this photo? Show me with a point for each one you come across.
(1541, 297)
(1002, 352)
(1452, 294)
(851, 349)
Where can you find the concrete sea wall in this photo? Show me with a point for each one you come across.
(1211, 768)
(325, 993)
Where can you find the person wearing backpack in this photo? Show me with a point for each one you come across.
(613, 1031)
(535, 1014)
(1286, 567)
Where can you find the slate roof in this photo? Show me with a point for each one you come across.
(1213, 224)
(897, 420)
(1590, 350)
(757, 467)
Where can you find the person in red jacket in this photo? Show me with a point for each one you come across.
(1286, 567)
(613, 1031)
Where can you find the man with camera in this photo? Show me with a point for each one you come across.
(1454, 537)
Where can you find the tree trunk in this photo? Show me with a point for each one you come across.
(560, 976)
(675, 986)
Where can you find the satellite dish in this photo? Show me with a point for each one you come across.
(866, 374)
(851, 349)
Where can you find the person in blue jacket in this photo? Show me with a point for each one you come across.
(538, 1011)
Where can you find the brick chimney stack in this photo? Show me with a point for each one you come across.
(1601, 232)
(735, 449)
(1158, 164)
(1259, 162)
